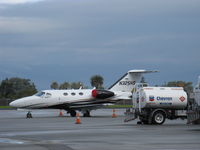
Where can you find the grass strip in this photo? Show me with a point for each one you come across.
(5, 107)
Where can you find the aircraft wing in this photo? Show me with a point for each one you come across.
(92, 106)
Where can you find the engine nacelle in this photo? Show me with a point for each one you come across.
(102, 94)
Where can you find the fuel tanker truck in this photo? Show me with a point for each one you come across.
(152, 105)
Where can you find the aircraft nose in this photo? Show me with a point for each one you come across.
(13, 104)
(17, 103)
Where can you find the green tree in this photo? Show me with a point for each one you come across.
(14, 88)
(187, 86)
(76, 85)
(6, 90)
(54, 85)
(64, 85)
(143, 82)
(97, 81)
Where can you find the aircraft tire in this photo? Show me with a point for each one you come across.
(139, 122)
(29, 115)
(73, 113)
(86, 114)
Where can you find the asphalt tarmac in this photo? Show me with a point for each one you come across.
(47, 131)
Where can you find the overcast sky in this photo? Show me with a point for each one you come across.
(71, 40)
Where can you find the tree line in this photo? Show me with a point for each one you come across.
(66, 85)
(187, 86)
(95, 81)
(14, 88)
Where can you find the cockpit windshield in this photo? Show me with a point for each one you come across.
(40, 94)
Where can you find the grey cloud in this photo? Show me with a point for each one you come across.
(99, 35)
(25, 25)
(14, 2)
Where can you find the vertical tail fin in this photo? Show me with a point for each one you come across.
(127, 81)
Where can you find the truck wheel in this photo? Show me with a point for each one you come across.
(158, 118)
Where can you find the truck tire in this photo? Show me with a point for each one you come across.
(158, 117)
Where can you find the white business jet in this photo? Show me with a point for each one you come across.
(83, 100)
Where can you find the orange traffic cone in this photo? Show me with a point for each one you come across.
(114, 115)
(78, 120)
(60, 114)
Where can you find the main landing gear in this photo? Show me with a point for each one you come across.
(86, 113)
(72, 113)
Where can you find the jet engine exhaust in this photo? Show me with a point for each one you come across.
(102, 94)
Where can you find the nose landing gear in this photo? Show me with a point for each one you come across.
(29, 115)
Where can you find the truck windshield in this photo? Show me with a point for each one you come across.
(40, 94)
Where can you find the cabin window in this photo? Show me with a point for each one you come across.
(81, 93)
(65, 94)
(73, 93)
(40, 94)
(48, 95)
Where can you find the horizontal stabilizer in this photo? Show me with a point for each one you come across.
(142, 71)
